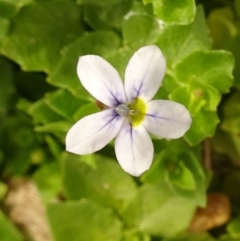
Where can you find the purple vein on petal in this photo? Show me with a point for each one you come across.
(164, 118)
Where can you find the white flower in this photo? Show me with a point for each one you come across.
(129, 113)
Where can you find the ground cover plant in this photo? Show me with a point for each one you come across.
(191, 191)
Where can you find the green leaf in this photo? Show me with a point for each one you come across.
(213, 68)
(41, 113)
(101, 43)
(8, 232)
(9, 8)
(155, 208)
(105, 16)
(134, 235)
(182, 177)
(105, 182)
(181, 170)
(227, 144)
(197, 95)
(120, 59)
(147, 1)
(83, 220)
(4, 26)
(221, 22)
(192, 237)
(3, 186)
(48, 181)
(231, 113)
(203, 125)
(54, 146)
(175, 11)
(85, 110)
(39, 33)
(234, 49)
(64, 103)
(178, 41)
(60, 126)
(233, 227)
(97, 2)
(18, 135)
(140, 30)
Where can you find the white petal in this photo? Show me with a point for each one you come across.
(134, 149)
(101, 80)
(144, 73)
(93, 132)
(167, 119)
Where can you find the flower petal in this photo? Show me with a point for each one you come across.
(134, 149)
(144, 73)
(167, 119)
(101, 80)
(93, 132)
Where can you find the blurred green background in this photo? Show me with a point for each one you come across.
(192, 190)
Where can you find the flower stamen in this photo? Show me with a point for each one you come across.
(123, 110)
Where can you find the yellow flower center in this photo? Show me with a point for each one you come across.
(135, 111)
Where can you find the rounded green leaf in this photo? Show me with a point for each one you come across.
(105, 182)
(155, 208)
(182, 177)
(140, 30)
(178, 41)
(203, 125)
(213, 68)
(175, 11)
(83, 220)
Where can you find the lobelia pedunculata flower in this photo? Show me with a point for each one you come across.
(129, 112)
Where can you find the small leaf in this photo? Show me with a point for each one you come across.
(60, 126)
(85, 110)
(173, 162)
(192, 237)
(221, 22)
(104, 16)
(83, 220)
(182, 177)
(155, 208)
(213, 68)
(231, 114)
(48, 181)
(184, 39)
(202, 127)
(197, 95)
(4, 26)
(140, 30)
(41, 113)
(175, 11)
(64, 103)
(97, 2)
(105, 183)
